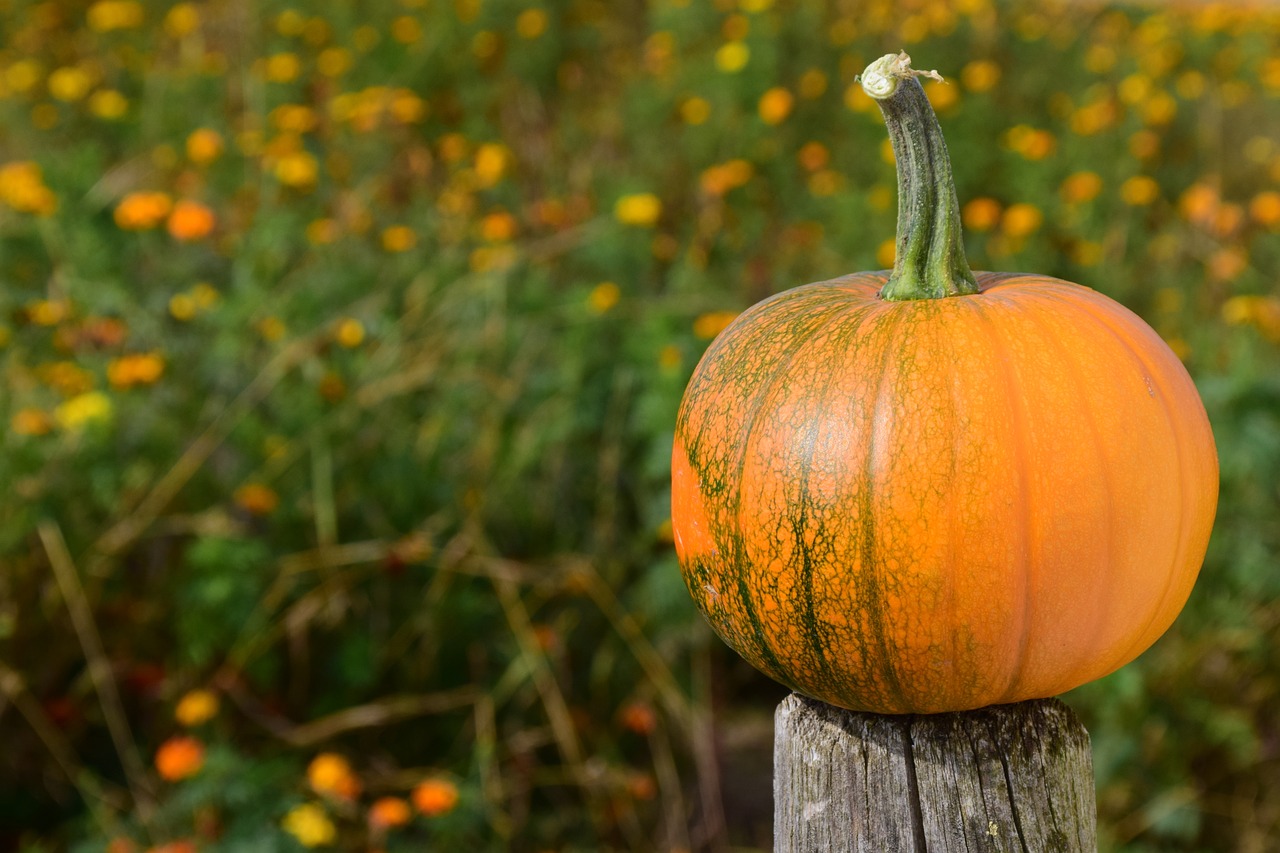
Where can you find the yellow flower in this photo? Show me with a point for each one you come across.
(80, 411)
(491, 162)
(350, 333)
(282, 67)
(108, 104)
(406, 30)
(297, 169)
(182, 20)
(69, 84)
(642, 209)
(1021, 219)
(887, 253)
(604, 296)
(333, 61)
(22, 188)
(775, 105)
(330, 775)
(196, 707)
(204, 146)
(981, 214)
(1139, 190)
(531, 23)
(271, 328)
(310, 825)
(182, 307)
(107, 15)
(695, 110)
(755, 6)
(732, 57)
(399, 238)
(980, 75)
(708, 325)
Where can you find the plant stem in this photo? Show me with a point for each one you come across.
(930, 262)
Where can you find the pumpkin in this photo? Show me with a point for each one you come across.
(930, 490)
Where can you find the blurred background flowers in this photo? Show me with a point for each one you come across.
(341, 345)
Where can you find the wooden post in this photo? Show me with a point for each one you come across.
(1011, 778)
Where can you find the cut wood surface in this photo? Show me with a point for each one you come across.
(1005, 778)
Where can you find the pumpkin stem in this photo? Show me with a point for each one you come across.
(930, 263)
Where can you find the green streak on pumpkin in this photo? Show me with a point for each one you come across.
(930, 262)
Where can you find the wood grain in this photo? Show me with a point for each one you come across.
(1005, 778)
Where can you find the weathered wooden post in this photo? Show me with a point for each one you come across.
(937, 497)
(1013, 778)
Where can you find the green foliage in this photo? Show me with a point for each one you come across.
(372, 441)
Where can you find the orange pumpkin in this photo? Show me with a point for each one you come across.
(944, 494)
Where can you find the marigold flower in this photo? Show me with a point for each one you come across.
(334, 61)
(981, 214)
(775, 105)
(83, 409)
(813, 156)
(1264, 208)
(388, 812)
(732, 57)
(179, 757)
(196, 707)
(490, 163)
(310, 825)
(257, 499)
(531, 23)
(638, 717)
(498, 227)
(435, 797)
(140, 211)
(190, 220)
(108, 104)
(708, 325)
(980, 75)
(1081, 187)
(31, 422)
(330, 775)
(22, 188)
(135, 369)
(399, 238)
(297, 169)
(695, 110)
(204, 145)
(182, 20)
(282, 67)
(641, 209)
(107, 15)
(604, 296)
(1139, 190)
(1021, 219)
(350, 333)
(69, 84)
(720, 179)
(406, 30)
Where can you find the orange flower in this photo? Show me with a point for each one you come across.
(190, 220)
(179, 757)
(257, 499)
(981, 214)
(1265, 208)
(1081, 187)
(775, 105)
(183, 846)
(1021, 219)
(638, 717)
(135, 369)
(435, 797)
(203, 146)
(708, 325)
(388, 812)
(330, 774)
(142, 210)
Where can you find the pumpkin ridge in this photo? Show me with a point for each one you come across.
(809, 618)
(1179, 552)
(875, 607)
(1104, 604)
(732, 512)
(1021, 441)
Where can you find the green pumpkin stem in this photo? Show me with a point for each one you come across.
(930, 262)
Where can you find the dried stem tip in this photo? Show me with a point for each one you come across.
(881, 78)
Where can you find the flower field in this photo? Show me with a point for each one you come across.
(341, 347)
